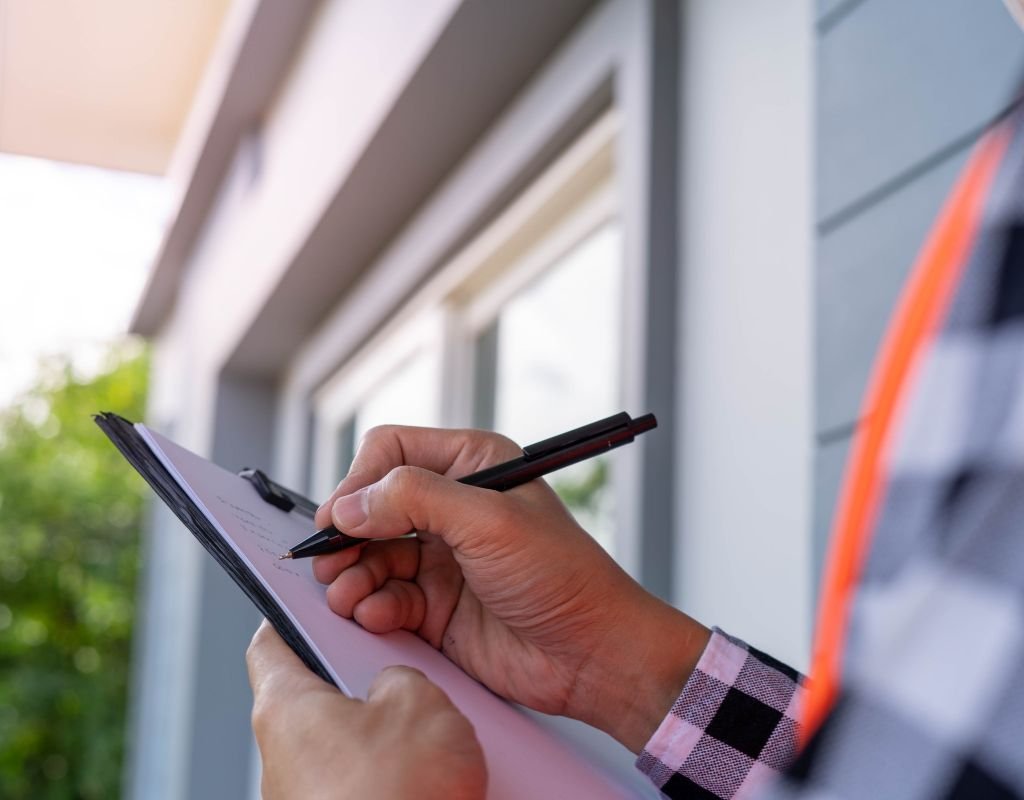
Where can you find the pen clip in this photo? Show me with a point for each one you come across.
(591, 431)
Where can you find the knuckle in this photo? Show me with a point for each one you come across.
(401, 678)
(374, 434)
(504, 444)
(335, 599)
(406, 691)
(322, 571)
(495, 447)
(376, 570)
(265, 709)
(410, 674)
(377, 436)
(259, 717)
(256, 642)
(405, 481)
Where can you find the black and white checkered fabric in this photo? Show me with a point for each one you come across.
(732, 728)
(932, 698)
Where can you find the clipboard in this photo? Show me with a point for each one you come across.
(244, 521)
(138, 453)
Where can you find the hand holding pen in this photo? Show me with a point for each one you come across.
(536, 461)
(506, 584)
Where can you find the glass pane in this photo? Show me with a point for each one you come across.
(346, 446)
(406, 396)
(485, 361)
(556, 365)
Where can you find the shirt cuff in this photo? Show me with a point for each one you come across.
(733, 727)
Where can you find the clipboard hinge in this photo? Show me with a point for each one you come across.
(277, 495)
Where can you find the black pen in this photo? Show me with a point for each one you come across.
(537, 460)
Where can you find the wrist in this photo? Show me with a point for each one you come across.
(628, 685)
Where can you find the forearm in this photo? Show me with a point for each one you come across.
(628, 685)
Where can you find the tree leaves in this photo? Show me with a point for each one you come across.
(70, 516)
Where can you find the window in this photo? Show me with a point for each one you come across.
(519, 333)
(394, 380)
(549, 362)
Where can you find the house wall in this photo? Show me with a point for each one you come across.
(716, 179)
(780, 166)
(745, 441)
(903, 90)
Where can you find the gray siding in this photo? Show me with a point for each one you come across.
(901, 79)
(830, 462)
(831, 11)
(903, 88)
(862, 266)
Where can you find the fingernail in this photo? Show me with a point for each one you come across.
(351, 510)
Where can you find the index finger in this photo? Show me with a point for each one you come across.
(451, 452)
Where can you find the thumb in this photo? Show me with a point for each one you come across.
(396, 680)
(275, 670)
(398, 686)
(413, 499)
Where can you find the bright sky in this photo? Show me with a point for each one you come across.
(75, 246)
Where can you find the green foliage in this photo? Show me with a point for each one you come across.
(582, 492)
(70, 511)
(586, 490)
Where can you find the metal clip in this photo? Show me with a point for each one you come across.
(267, 489)
(594, 429)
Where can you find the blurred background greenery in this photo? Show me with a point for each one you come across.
(70, 517)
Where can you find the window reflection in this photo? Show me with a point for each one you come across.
(550, 362)
(405, 396)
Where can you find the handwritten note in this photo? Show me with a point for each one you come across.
(269, 544)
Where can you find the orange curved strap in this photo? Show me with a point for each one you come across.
(921, 307)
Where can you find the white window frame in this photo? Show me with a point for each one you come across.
(571, 199)
(341, 396)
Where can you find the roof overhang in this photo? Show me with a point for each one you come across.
(255, 48)
(104, 83)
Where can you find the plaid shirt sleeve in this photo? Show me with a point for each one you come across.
(732, 727)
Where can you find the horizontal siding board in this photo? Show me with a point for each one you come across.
(826, 7)
(829, 466)
(861, 268)
(898, 80)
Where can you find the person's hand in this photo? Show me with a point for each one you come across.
(507, 585)
(406, 740)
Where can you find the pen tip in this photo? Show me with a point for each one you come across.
(284, 556)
